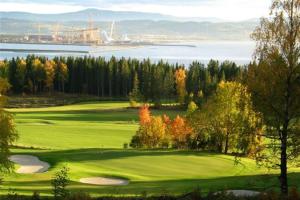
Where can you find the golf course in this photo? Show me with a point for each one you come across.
(89, 139)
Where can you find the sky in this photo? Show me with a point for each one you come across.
(228, 10)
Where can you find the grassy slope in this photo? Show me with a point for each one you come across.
(76, 135)
(89, 125)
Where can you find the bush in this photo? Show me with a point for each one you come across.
(135, 142)
(192, 107)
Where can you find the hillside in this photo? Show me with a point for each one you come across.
(139, 28)
(97, 15)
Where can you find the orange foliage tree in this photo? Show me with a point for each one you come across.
(180, 131)
(144, 114)
(160, 131)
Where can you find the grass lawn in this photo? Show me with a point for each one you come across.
(89, 137)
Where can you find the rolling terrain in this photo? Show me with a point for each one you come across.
(88, 138)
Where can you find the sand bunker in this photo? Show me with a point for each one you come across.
(104, 181)
(29, 164)
(243, 193)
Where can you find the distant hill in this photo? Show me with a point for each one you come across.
(135, 28)
(134, 24)
(96, 15)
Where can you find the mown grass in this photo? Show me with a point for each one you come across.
(85, 125)
(89, 137)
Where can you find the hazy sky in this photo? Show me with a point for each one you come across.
(234, 10)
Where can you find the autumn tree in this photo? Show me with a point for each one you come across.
(275, 81)
(152, 134)
(20, 74)
(61, 73)
(144, 114)
(3, 69)
(39, 75)
(157, 131)
(50, 66)
(180, 77)
(227, 122)
(8, 132)
(179, 131)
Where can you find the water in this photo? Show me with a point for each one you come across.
(240, 52)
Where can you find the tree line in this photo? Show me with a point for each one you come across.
(114, 77)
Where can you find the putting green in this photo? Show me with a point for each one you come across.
(89, 137)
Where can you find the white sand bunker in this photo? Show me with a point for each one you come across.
(104, 181)
(243, 193)
(29, 164)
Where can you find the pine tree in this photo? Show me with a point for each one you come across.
(134, 95)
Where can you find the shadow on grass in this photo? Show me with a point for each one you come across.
(174, 187)
(96, 154)
(91, 115)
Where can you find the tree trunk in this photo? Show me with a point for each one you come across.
(63, 86)
(226, 143)
(283, 163)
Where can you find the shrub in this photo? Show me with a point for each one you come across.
(59, 183)
(192, 107)
(135, 142)
(125, 145)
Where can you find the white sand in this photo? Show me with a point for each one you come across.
(243, 193)
(29, 164)
(104, 181)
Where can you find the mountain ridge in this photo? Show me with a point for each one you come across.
(100, 15)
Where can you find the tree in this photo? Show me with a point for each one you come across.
(144, 114)
(180, 77)
(168, 84)
(39, 75)
(134, 95)
(61, 75)
(275, 81)
(152, 133)
(3, 69)
(227, 122)
(192, 107)
(50, 66)
(8, 133)
(20, 74)
(59, 183)
(179, 132)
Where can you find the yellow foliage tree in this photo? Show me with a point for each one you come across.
(50, 66)
(152, 134)
(180, 76)
(62, 75)
(8, 132)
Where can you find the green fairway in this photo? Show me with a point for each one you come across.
(89, 138)
(88, 125)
